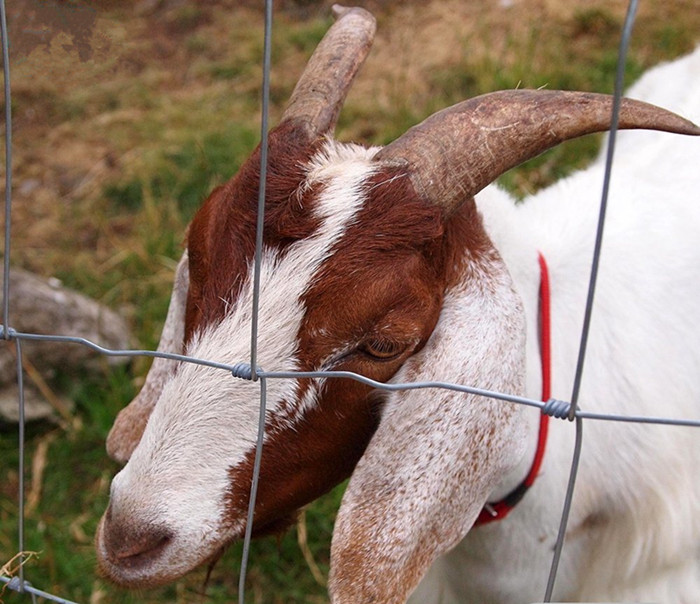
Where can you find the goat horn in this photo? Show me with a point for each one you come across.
(322, 88)
(455, 153)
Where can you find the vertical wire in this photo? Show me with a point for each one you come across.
(6, 280)
(261, 192)
(264, 128)
(20, 469)
(568, 499)
(253, 491)
(617, 99)
(8, 167)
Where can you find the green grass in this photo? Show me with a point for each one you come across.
(170, 109)
(186, 174)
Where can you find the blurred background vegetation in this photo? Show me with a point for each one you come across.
(122, 126)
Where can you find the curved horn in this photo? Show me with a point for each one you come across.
(456, 152)
(322, 88)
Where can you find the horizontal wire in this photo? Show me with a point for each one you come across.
(15, 584)
(242, 371)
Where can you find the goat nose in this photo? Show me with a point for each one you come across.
(128, 542)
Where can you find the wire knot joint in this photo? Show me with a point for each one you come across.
(244, 371)
(557, 408)
(7, 333)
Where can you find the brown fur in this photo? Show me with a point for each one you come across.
(385, 279)
(221, 239)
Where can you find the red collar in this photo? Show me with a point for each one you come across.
(500, 509)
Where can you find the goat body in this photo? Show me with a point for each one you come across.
(634, 530)
(382, 263)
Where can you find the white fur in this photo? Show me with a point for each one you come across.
(424, 477)
(205, 422)
(634, 532)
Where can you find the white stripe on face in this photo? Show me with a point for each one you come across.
(205, 421)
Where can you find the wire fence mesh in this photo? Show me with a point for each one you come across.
(13, 575)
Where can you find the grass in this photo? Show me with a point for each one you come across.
(186, 174)
(113, 154)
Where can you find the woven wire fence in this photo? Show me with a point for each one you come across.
(248, 369)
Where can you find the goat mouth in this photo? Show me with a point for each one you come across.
(138, 557)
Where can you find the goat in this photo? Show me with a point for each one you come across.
(404, 264)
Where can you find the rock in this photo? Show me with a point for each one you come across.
(36, 407)
(45, 307)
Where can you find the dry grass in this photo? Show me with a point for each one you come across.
(156, 79)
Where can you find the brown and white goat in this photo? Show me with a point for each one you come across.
(381, 262)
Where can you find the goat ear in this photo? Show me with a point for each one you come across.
(130, 423)
(437, 454)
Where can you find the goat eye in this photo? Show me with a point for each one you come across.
(382, 350)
